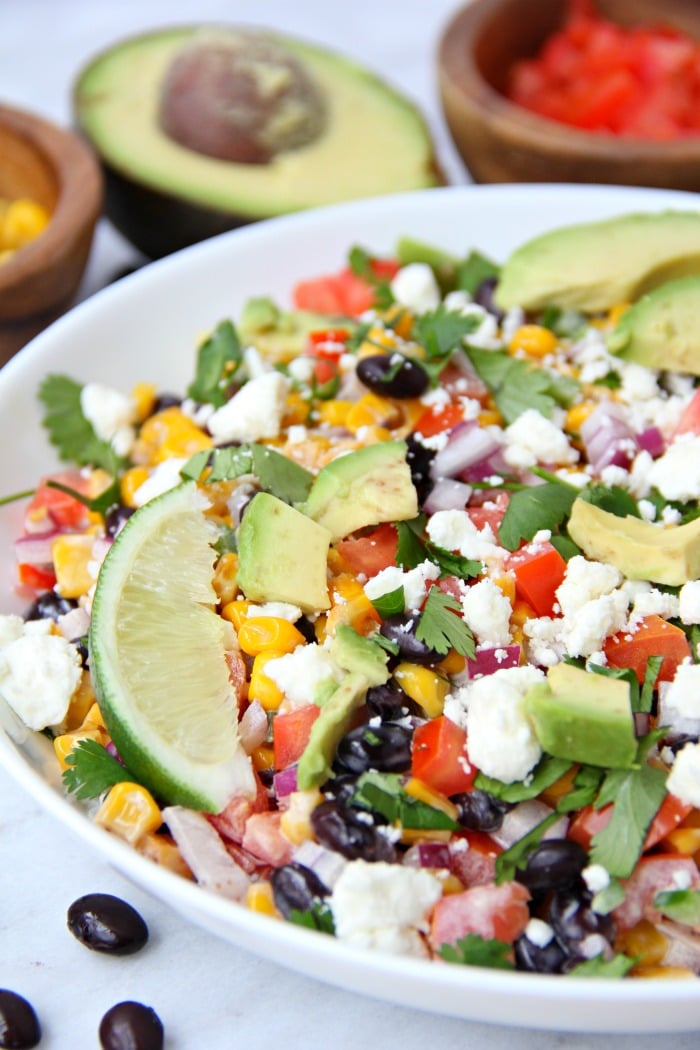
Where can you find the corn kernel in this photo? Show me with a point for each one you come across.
(23, 220)
(169, 434)
(400, 319)
(131, 480)
(72, 554)
(163, 851)
(263, 757)
(260, 898)
(450, 883)
(296, 410)
(617, 312)
(236, 612)
(372, 410)
(424, 685)
(129, 811)
(295, 821)
(644, 942)
(424, 793)
(533, 340)
(65, 742)
(144, 397)
(225, 580)
(452, 664)
(506, 585)
(94, 718)
(552, 794)
(357, 612)
(260, 634)
(577, 415)
(522, 612)
(683, 840)
(411, 836)
(490, 417)
(334, 412)
(80, 703)
(262, 688)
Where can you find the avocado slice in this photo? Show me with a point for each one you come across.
(281, 335)
(640, 550)
(365, 487)
(328, 730)
(662, 329)
(594, 266)
(584, 717)
(355, 652)
(366, 140)
(270, 537)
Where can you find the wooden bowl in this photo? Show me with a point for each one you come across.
(503, 142)
(54, 167)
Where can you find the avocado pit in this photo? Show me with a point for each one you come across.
(240, 97)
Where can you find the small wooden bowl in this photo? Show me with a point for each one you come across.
(54, 167)
(503, 142)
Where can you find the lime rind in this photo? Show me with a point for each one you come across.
(158, 656)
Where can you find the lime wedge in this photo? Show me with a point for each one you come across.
(157, 657)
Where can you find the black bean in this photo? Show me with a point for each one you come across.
(296, 887)
(484, 297)
(419, 459)
(535, 959)
(479, 811)
(131, 1026)
(573, 919)
(386, 747)
(164, 401)
(677, 743)
(392, 375)
(307, 628)
(19, 1024)
(49, 606)
(350, 833)
(402, 631)
(117, 517)
(389, 702)
(556, 864)
(340, 788)
(107, 924)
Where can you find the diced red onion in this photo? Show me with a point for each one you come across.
(324, 862)
(486, 468)
(493, 658)
(74, 624)
(447, 494)
(428, 855)
(607, 437)
(253, 726)
(523, 818)
(652, 441)
(285, 782)
(468, 444)
(36, 550)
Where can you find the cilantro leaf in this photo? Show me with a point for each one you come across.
(515, 385)
(410, 550)
(611, 498)
(535, 508)
(218, 359)
(440, 332)
(598, 966)
(475, 950)
(547, 771)
(636, 795)
(69, 430)
(515, 857)
(276, 473)
(92, 770)
(441, 626)
(585, 788)
(390, 604)
(474, 270)
(384, 793)
(318, 917)
(414, 548)
(680, 905)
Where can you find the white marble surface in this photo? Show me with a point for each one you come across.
(208, 994)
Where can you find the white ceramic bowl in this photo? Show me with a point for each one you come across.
(144, 328)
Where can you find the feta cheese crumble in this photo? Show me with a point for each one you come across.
(111, 415)
(39, 672)
(502, 739)
(254, 412)
(684, 778)
(304, 673)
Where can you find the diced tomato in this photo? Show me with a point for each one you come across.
(589, 821)
(264, 839)
(325, 370)
(440, 756)
(57, 508)
(653, 637)
(38, 579)
(498, 912)
(343, 293)
(328, 342)
(670, 815)
(539, 570)
(231, 821)
(290, 733)
(490, 512)
(431, 423)
(474, 865)
(653, 874)
(371, 553)
(689, 422)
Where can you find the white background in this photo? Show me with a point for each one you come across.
(209, 995)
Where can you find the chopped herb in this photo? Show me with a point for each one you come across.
(441, 626)
(475, 950)
(612, 499)
(390, 604)
(92, 770)
(440, 332)
(410, 550)
(618, 966)
(276, 473)
(4, 500)
(385, 643)
(636, 795)
(515, 858)
(680, 905)
(69, 430)
(218, 360)
(606, 900)
(384, 793)
(318, 917)
(586, 785)
(100, 504)
(226, 541)
(414, 548)
(474, 270)
(547, 771)
(566, 546)
(517, 385)
(535, 508)
(611, 380)
(562, 321)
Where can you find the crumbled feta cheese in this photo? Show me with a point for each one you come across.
(282, 610)
(676, 474)
(380, 897)
(591, 355)
(689, 602)
(111, 415)
(395, 940)
(680, 699)
(414, 583)
(539, 933)
(11, 628)
(584, 581)
(655, 603)
(296, 434)
(502, 740)
(485, 333)
(612, 475)
(513, 320)
(638, 382)
(38, 676)
(165, 476)
(415, 286)
(534, 439)
(584, 635)
(647, 510)
(638, 480)
(254, 362)
(301, 369)
(455, 531)
(254, 412)
(198, 413)
(487, 611)
(544, 642)
(684, 778)
(304, 673)
(671, 516)
(596, 877)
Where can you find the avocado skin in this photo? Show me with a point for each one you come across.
(662, 329)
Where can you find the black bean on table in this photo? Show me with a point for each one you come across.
(386, 747)
(105, 923)
(351, 833)
(556, 864)
(131, 1026)
(19, 1024)
(296, 887)
(392, 375)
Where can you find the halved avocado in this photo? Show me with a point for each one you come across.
(163, 195)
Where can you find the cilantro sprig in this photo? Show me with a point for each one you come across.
(276, 473)
(318, 917)
(218, 360)
(414, 548)
(617, 966)
(92, 770)
(69, 431)
(517, 385)
(475, 950)
(384, 793)
(442, 627)
(440, 332)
